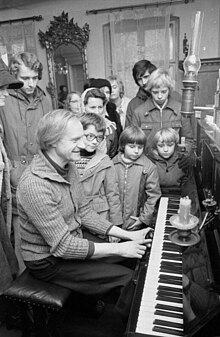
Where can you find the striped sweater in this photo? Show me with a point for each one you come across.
(52, 212)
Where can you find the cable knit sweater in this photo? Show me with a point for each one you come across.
(52, 211)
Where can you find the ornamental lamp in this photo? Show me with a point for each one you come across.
(191, 67)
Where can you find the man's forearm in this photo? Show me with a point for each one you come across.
(105, 250)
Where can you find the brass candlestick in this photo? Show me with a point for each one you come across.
(184, 222)
(184, 234)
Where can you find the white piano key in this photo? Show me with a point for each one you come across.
(149, 299)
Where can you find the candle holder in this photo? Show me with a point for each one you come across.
(184, 234)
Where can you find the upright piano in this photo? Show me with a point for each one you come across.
(177, 289)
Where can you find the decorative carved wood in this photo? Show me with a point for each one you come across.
(63, 31)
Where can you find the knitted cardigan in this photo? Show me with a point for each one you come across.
(52, 212)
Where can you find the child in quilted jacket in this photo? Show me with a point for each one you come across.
(139, 186)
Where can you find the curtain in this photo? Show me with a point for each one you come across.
(139, 34)
(17, 37)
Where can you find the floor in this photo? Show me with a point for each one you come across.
(82, 324)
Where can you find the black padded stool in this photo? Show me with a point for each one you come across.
(41, 300)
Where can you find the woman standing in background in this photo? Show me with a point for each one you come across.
(74, 102)
(118, 97)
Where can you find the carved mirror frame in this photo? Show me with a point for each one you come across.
(63, 31)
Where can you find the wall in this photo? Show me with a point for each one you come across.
(210, 41)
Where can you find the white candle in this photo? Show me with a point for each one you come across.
(184, 210)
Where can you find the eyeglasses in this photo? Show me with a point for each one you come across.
(91, 137)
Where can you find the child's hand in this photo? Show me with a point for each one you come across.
(136, 225)
(110, 128)
(184, 162)
(102, 146)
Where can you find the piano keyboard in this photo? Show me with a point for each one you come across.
(161, 305)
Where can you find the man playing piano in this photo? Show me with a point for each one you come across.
(56, 219)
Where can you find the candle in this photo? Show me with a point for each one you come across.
(184, 210)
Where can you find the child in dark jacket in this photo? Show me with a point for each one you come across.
(165, 155)
(161, 110)
(138, 179)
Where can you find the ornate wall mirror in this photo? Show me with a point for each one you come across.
(65, 43)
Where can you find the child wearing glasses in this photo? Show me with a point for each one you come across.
(94, 100)
(138, 179)
(97, 172)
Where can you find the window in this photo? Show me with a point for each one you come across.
(130, 40)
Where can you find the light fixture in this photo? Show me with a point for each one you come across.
(61, 69)
(191, 67)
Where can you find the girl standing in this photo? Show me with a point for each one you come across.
(139, 187)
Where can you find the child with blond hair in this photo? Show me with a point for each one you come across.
(161, 110)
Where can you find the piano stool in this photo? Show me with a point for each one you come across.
(40, 300)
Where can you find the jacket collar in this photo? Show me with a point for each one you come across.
(96, 159)
(142, 94)
(101, 159)
(171, 105)
(19, 94)
(156, 157)
(139, 161)
(41, 167)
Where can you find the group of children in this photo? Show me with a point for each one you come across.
(126, 190)
(124, 181)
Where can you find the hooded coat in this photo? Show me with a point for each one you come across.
(168, 170)
(175, 180)
(100, 185)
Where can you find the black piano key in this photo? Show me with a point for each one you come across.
(169, 324)
(169, 299)
(167, 269)
(171, 256)
(173, 289)
(168, 331)
(174, 268)
(168, 314)
(169, 293)
(171, 264)
(171, 271)
(161, 306)
(168, 230)
(166, 237)
(170, 247)
(171, 244)
(174, 282)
